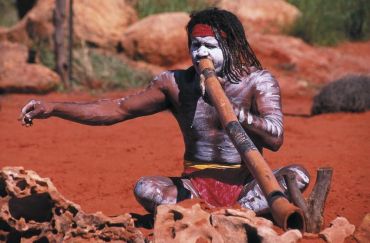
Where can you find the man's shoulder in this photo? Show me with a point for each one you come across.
(171, 77)
(257, 76)
(257, 73)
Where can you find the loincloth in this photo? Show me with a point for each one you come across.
(218, 184)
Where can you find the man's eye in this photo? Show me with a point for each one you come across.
(195, 45)
(210, 46)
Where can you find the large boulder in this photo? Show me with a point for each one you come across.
(158, 39)
(175, 223)
(35, 25)
(290, 53)
(16, 75)
(98, 22)
(102, 22)
(362, 233)
(32, 210)
(263, 16)
(301, 67)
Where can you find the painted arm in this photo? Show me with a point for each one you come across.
(101, 112)
(266, 124)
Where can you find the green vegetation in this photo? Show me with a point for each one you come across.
(8, 13)
(96, 70)
(327, 22)
(45, 54)
(115, 73)
(148, 7)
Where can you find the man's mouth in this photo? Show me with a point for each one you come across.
(197, 61)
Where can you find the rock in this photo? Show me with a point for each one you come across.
(13, 53)
(35, 25)
(102, 22)
(290, 54)
(362, 233)
(99, 22)
(263, 16)
(17, 33)
(175, 223)
(158, 39)
(339, 229)
(32, 210)
(16, 75)
(302, 67)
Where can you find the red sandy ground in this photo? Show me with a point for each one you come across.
(97, 167)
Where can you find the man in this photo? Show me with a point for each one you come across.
(213, 169)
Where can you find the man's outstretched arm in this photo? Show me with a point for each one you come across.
(101, 112)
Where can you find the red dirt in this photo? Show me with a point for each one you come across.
(97, 167)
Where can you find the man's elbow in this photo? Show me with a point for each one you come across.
(276, 143)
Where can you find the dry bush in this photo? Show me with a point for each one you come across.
(349, 94)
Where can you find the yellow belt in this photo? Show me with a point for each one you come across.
(203, 166)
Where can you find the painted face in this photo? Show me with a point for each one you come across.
(206, 47)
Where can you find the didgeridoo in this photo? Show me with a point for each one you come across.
(285, 214)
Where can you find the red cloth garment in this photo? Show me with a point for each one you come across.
(215, 191)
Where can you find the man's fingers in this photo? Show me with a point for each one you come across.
(27, 122)
(30, 111)
(202, 84)
(29, 106)
(32, 114)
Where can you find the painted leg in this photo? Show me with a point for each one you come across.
(253, 198)
(151, 191)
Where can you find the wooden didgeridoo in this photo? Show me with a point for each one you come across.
(285, 214)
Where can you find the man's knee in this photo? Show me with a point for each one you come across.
(141, 187)
(151, 191)
(301, 175)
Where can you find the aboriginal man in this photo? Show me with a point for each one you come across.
(213, 169)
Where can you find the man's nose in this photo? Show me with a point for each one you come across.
(203, 52)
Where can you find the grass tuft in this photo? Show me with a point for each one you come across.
(97, 70)
(149, 7)
(94, 70)
(332, 21)
(8, 13)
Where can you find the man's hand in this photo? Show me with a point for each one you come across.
(34, 109)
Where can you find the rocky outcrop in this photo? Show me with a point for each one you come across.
(174, 223)
(339, 229)
(32, 210)
(291, 54)
(301, 66)
(98, 22)
(16, 75)
(263, 16)
(158, 39)
(35, 25)
(102, 22)
(362, 233)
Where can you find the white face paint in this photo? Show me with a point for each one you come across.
(206, 47)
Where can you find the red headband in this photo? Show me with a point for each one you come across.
(202, 30)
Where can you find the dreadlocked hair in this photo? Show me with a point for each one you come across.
(238, 55)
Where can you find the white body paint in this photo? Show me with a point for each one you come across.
(256, 201)
(206, 47)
